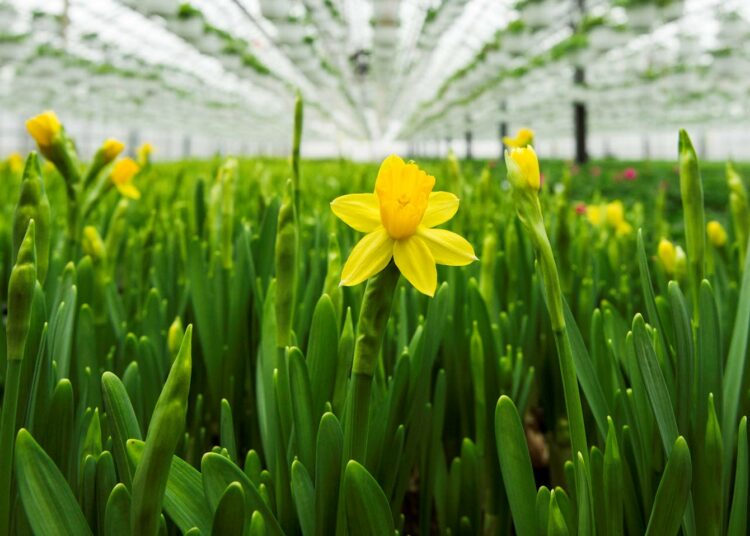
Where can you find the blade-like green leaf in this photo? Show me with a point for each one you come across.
(673, 493)
(229, 517)
(367, 509)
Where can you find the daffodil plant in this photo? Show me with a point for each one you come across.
(399, 219)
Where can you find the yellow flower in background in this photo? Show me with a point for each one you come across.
(44, 128)
(399, 219)
(594, 214)
(716, 233)
(667, 255)
(615, 213)
(122, 177)
(144, 153)
(524, 137)
(48, 167)
(523, 168)
(623, 229)
(111, 149)
(15, 163)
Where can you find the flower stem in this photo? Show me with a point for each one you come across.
(373, 317)
(7, 439)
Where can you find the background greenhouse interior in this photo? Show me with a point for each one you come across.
(374, 267)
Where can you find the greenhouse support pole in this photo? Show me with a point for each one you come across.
(468, 145)
(579, 120)
(503, 132)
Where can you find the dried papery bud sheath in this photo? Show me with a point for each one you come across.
(20, 295)
(691, 189)
(286, 263)
(33, 205)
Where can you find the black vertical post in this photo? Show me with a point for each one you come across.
(579, 119)
(186, 146)
(468, 145)
(579, 107)
(503, 128)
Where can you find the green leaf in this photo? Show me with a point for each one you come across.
(50, 505)
(164, 432)
(515, 465)
(735, 371)
(330, 446)
(303, 494)
(556, 525)
(226, 430)
(738, 515)
(683, 358)
(613, 482)
(117, 514)
(710, 364)
(707, 488)
(123, 424)
(184, 500)
(367, 509)
(322, 353)
(302, 408)
(673, 493)
(218, 472)
(229, 518)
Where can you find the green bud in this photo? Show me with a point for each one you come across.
(174, 336)
(331, 285)
(691, 189)
(286, 263)
(738, 204)
(487, 268)
(20, 296)
(33, 205)
(299, 109)
(116, 230)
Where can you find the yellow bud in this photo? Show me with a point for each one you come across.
(523, 168)
(43, 128)
(111, 148)
(615, 214)
(92, 244)
(716, 233)
(524, 137)
(668, 255)
(623, 229)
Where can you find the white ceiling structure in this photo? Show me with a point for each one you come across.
(221, 74)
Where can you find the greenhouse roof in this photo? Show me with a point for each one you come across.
(376, 70)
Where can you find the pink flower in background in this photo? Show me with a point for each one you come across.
(596, 171)
(492, 164)
(580, 208)
(630, 174)
(541, 180)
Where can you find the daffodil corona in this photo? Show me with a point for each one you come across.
(399, 218)
(122, 177)
(524, 137)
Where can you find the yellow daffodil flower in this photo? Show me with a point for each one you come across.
(523, 168)
(615, 214)
(716, 233)
(623, 229)
(15, 163)
(122, 177)
(399, 218)
(667, 253)
(594, 215)
(524, 137)
(111, 149)
(44, 128)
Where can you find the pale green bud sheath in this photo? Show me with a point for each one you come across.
(738, 204)
(691, 190)
(33, 205)
(20, 298)
(524, 176)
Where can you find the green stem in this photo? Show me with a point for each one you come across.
(7, 440)
(373, 318)
(572, 396)
(358, 418)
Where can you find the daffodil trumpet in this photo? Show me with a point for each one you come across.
(399, 219)
(524, 177)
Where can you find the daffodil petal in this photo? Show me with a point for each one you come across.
(441, 207)
(414, 260)
(129, 190)
(368, 257)
(447, 247)
(359, 211)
